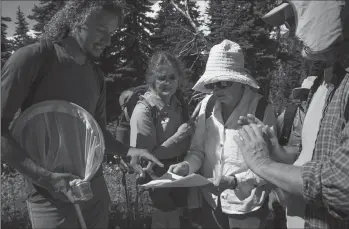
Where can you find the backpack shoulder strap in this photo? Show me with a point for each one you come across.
(47, 55)
(209, 107)
(153, 109)
(290, 113)
(346, 112)
(260, 109)
(184, 106)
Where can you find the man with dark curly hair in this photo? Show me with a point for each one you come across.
(79, 32)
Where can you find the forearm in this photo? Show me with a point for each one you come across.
(286, 177)
(285, 155)
(113, 146)
(194, 160)
(17, 158)
(291, 154)
(173, 147)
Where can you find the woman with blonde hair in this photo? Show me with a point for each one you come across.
(160, 123)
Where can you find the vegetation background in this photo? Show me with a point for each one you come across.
(273, 60)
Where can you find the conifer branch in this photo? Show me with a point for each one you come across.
(186, 14)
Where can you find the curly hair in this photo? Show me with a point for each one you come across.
(160, 59)
(75, 13)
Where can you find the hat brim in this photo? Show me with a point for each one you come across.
(214, 77)
(300, 93)
(278, 15)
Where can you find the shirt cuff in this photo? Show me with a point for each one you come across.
(311, 176)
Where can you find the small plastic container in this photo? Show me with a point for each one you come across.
(82, 190)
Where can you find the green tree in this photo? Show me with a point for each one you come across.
(174, 33)
(240, 21)
(43, 12)
(292, 69)
(5, 44)
(21, 37)
(125, 61)
(130, 46)
(215, 11)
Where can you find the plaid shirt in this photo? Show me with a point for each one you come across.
(326, 177)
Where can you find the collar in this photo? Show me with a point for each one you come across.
(72, 47)
(154, 100)
(245, 99)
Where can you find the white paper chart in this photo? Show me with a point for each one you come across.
(170, 180)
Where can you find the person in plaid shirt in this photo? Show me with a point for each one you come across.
(317, 184)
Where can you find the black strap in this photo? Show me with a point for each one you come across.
(346, 112)
(289, 116)
(184, 105)
(260, 110)
(209, 106)
(47, 49)
(153, 109)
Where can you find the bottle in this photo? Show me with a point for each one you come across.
(82, 190)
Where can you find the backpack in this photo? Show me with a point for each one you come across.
(48, 52)
(259, 113)
(128, 101)
(289, 116)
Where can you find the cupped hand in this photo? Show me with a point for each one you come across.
(188, 128)
(185, 130)
(267, 130)
(60, 188)
(147, 174)
(277, 149)
(137, 154)
(250, 119)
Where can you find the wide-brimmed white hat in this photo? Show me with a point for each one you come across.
(225, 63)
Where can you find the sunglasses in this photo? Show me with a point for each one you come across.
(219, 85)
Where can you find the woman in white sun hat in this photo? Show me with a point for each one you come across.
(238, 197)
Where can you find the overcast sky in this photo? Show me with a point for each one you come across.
(9, 8)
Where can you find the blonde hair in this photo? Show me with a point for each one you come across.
(160, 59)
